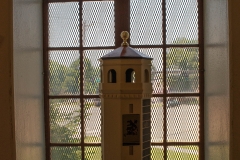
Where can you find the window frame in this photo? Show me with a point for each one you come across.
(122, 22)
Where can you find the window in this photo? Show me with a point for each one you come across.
(78, 33)
(130, 76)
(112, 76)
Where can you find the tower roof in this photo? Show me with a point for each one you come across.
(125, 52)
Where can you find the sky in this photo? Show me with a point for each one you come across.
(98, 25)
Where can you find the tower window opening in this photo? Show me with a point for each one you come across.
(112, 76)
(130, 76)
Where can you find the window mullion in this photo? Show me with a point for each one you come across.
(122, 19)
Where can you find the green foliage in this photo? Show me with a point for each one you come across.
(182, 66)
(65, 113)
(57, 77)
(66, 79)
(71, 84)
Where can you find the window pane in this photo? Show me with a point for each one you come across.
(182, 70)
(65, 120)
(157, 67)
(65, 153)
(92, 120)
(98, 23)
(187, 152)
(146, 22)
(64, 73)
(157, 119)
(93, 153)
(64, 24)
(91, 71)
(157, 153)
(182, 21)
(183, 119)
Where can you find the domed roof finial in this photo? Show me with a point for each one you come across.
(125, 36)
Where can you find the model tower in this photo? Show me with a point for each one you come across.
(125, 92)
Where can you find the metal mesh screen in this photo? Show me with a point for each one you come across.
(157, 153)
(157, 119)
(183, 119)
(79, 33)
(93, 153)
(98, 23)
(64, 77)
(65, 153)
(157, 68)
(91, 70)
(146, 14)
(65, 121)
(63, 24)
(187, 152)
(182, 70)
(182, 22)
(92, 120)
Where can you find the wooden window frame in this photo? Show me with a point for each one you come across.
(122, 22)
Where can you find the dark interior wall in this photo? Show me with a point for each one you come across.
(234, 50)
(7, 147)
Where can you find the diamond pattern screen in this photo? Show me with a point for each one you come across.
(80, 32)
(93, 153)
(91, 70)
(65, 121)
(98, 23)
(146, 14)
(63, 24)
(182, 22)
(183, 152)
(182, 70)
(65, 153)
(157, 153)
(64, 78)
(157, 119)
(182, 119)
(92, 113)
(157, 67)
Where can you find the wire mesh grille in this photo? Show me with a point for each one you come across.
(98, 23)
(157, 153)
(183, 119)
(63, 24)
(97, 28)
(93, 153)
(65, 153)
(92, 120)
(157, 119)
(146, 14)
(157, 68)
(182, 22)
(182, 70)
(91, 70)
(183, 152)
(64, 77)
(65, 120)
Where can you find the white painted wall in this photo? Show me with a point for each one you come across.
(28, 79)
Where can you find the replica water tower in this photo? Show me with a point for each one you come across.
(125, 92)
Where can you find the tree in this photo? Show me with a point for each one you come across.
(71, 84)
(57, 77)
(182, 68)
(65, 113)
